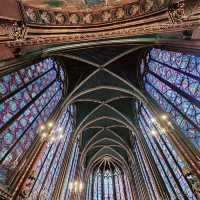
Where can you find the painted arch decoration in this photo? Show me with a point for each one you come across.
(83, 16)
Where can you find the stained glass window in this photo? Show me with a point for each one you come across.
(106, 184)
(70, 174)
(27, 98)
(173, 80)
(169, 163)
(147, 175)
(119, 184)
(114, 183)
(97, 186)
(89, 188)
(47, 168)
(127, 188)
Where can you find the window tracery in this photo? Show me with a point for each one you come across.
(172, 80)
(169, 163)
(48, 166)
(108, 184)
(27, 98)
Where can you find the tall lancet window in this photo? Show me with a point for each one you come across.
(27, 98)
(119, 186)
(97, 188)
(70, 173)
(108, 182)
(173, 80)
(169, 163)
(49, 163)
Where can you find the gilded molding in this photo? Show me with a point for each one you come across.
(84, 17)
(119, 33)
(12, 31)
(183, 10)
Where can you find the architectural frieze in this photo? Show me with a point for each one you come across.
(39, 16)
(133, 31)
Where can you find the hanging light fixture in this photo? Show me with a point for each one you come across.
(48, 133)
(76, 186)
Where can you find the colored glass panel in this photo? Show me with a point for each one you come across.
(172, 79)
(169, 163)
(112, 182)
(47, 168)
(147, 175)
(27, 98)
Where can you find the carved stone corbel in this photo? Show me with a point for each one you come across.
(184, 10)
(194, 181)
(12, 31)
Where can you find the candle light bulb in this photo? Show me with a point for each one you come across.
(164, 117)
(44, 135)
(70, 186)
(50, 124)
(153, 132)
(42, 127)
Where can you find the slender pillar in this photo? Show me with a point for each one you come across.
(141, 187)
(63, 171)
(102, 185)
(158, 180)
(132, 183)
(31, 158)
(142, 162)
(185, 149)
(19, 183)
(114, 189)
(71, 176)
(124, 187)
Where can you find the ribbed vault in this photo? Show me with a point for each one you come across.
(104, 96)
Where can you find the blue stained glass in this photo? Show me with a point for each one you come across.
(9, 83)
(95, 188)
(99, 186)
(110, 179)
(187, 63)
(177, 90)
(11, 106)
(47, 168)
(169, 163)
(183, 82)
(106, 187)
(180, 102)
(17, 92)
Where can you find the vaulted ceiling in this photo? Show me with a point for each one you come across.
(103, 84)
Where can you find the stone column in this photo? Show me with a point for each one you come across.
(19, 183)
(113, 184)
(184, 147)
(157, 178)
